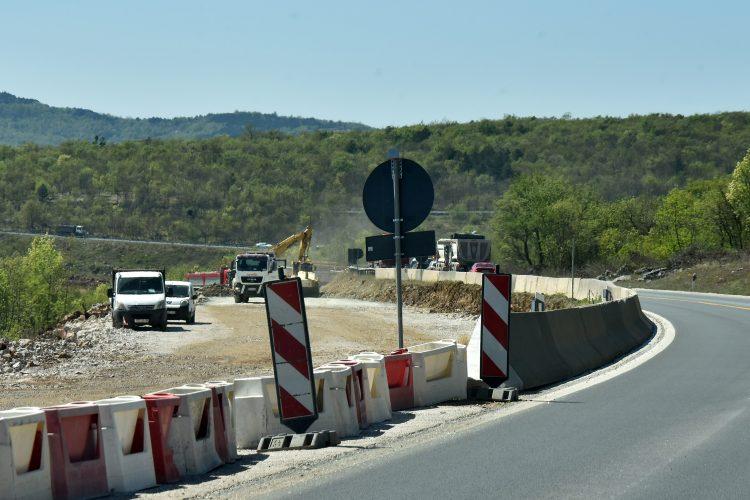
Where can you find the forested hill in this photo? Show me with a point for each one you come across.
(27, 120)
(262, 186)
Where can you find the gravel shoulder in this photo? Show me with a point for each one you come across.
(228, 341)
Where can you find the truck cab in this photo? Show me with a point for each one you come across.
(251, 271)
(138, 298)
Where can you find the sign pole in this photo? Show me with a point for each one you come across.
(396, 174)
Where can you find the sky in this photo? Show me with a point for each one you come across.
(380, 63)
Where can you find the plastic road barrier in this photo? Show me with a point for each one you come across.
(127, 443)
(292, 361)
(357, 389)
(439, 372)
(342, 387)
(257, 413)
(377, 397)
(77, 462)
(160, 408)
(222, 395)
(252, 396)
(191, 435)
(24, 455)
(399, 369)
(493, 362)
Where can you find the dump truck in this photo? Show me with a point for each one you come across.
(462, 250)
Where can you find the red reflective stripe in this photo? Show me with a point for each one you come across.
(290, 349)
(502, 283)
(290, 407)
(289, 293)
(495, 325)
(489, 368)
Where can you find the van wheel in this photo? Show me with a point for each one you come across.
(191, 319)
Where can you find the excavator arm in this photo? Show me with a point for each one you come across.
(303, 238)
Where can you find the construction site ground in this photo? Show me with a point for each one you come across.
(228, 341)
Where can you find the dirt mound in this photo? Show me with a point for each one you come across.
(216, 290)
(441, 296)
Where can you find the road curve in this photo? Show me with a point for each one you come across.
(677, 426)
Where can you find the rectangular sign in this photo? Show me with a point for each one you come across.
(495, 334)
(290, 348)
(416, 244)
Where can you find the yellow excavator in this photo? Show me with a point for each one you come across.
(302, 267)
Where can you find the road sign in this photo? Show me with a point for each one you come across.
(416, 244)
(416, 195)
(290, 348)
(495, 335)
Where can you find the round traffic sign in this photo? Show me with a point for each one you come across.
(416, 193)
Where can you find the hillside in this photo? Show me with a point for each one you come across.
(264, 186)
(27, 120)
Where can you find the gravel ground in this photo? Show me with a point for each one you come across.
(228, 341)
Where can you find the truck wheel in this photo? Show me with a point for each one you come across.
(115, 323)
(237, 299)
(245, 299)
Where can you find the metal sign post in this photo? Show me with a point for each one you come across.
(408, 186)
(396, 175)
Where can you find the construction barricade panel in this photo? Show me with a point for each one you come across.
(24, 455)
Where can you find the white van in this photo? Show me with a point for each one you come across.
(138, 298)
(181, 301)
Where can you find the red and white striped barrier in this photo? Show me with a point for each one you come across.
(292, 361)
(222, 396)
(24, 455)
(495, 335)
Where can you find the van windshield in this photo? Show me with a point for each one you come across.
(252, 263)
(140, 286)
(178, 291)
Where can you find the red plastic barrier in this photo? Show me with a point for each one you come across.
(220, 428)
(161, 407)
(400, 373)
(359, 390)
(76, 455)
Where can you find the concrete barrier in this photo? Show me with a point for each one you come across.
(222, 399)
(24, 455)
(127, 444)
(550, 346)
(440, 372)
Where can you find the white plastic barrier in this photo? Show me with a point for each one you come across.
(257, 413)
(24, 455)
(127, 443)
(439, 372)
(250, 408)
(191, 435)
(345, 398)
(222, 405)
(377, 395)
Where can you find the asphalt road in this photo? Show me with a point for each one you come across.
(678, 426)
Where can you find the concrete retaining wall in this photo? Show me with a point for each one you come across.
(549, 347)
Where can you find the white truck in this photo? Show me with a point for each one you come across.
(461, 251)
(138, 298)
(250, 271)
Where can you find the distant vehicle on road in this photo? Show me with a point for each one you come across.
(263, 244)
(71, 230)
(138, 298)
(483, 267)
(181, 301)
